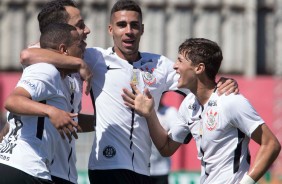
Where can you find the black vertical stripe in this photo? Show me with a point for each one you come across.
(131, 134)
(238, 150)
(40, 124)
(188, 138)
(70, 154)
(93, 104)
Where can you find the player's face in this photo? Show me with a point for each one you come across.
(77, 48)
(77, 21)
(186, 71)
(126, 28)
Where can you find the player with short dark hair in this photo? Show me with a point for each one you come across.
(27, 150)
(222, 126)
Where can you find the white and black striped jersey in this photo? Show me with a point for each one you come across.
(64, 163)
(222, 129)
(122, 137)
(31, 142)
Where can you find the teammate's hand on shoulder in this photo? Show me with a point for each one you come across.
(227, 86)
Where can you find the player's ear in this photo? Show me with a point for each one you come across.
(200, 68)
(110, 29)
(63, 49)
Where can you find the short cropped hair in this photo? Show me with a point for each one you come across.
(54, 12)
(128, 5)
(201, 50)
(55, 34)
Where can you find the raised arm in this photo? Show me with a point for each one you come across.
(73, 64)
(267, 153)
(144, 106)
(19, 102)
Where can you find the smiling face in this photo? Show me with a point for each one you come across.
(126, 28)
(76, 20)
(187, 72)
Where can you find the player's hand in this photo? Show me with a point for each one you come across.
(227, 86)
(64, 123)
(143, 104)
(86, 75)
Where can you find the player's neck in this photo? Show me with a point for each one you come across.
(204, 91)
(128, 57)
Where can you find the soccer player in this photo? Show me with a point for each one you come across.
(63, 165)
(222, 126)
(27, 151)
(122, 145)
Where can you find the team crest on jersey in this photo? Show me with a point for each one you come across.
(109, 151)
(211, 120)
(148, 75)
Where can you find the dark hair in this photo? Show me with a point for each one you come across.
(55, 34)
(54, 12)
(126, 5)
(201, 50)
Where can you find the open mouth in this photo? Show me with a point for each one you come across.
(128, 42)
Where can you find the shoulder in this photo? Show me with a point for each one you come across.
(231, 100)
(156, 57)
(43, 71)
(43, 68)
(235, 105)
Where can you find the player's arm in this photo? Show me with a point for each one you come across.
(227, 86)
(35, 55)
(267, 153)
(86, 122)
(20, 102)
(144, 105)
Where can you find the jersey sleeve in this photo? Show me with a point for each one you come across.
(40, 81)
(242, 114)
(180, 131)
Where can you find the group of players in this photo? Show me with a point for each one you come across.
(43, 118)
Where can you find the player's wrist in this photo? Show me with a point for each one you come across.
(247, 180)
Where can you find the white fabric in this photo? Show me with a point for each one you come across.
(120, 142)
(64, 162)
(161, 165)
(218, 127)
(22, 147)
(247, 180)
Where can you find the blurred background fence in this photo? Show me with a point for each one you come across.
(248, 31)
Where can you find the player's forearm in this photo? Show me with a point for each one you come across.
(37, 55)
(86, 122)
(264, 158)
(160, 136)
(23, 106)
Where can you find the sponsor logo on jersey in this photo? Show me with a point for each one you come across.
(109, 151)
(27, 82)
(211, 120)
(192, 106)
